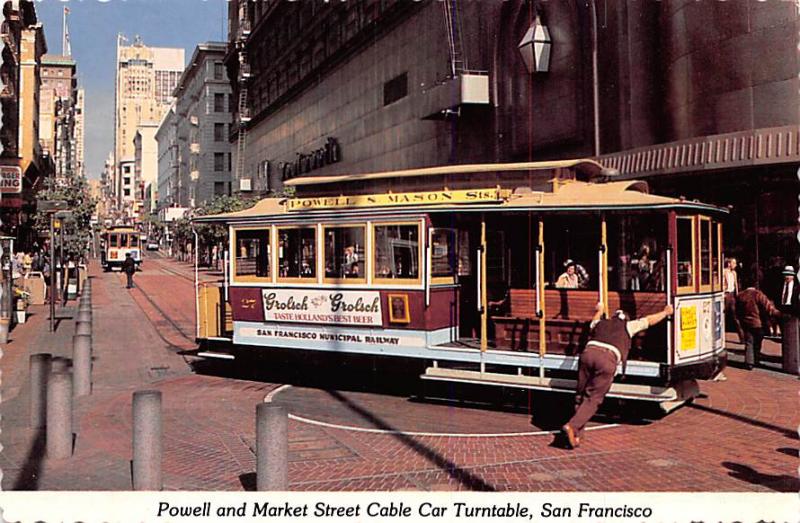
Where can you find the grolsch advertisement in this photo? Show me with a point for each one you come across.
(10, 179)
(329, 306)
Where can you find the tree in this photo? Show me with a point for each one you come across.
(76, 231)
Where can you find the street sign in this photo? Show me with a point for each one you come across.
(51, 205)
(10, 179)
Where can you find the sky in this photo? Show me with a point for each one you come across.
(93, 29)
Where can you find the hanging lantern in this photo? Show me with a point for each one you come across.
(535, 47)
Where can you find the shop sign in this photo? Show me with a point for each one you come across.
(328, 154)
(10, 179)
(323, 306)
(464, 196)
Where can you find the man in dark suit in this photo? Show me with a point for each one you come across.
(129, 268)
(789, 306)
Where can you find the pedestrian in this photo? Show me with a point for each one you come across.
(730, 286)
(129, 267)
(608, 346)
(751, 305)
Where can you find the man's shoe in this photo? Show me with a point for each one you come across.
(748, 367)
(572, 439)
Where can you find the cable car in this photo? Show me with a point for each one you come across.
(117, 242)
(460, 266)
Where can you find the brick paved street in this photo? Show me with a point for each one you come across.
(365, 432)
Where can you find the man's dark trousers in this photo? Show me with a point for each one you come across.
(130, 279)
(752, 345)
(596, 370)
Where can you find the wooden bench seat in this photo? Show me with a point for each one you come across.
(567, 317)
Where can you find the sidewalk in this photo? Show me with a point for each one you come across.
(739, 436)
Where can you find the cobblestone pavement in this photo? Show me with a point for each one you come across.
(739, 436)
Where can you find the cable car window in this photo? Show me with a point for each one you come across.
(705, 252)
(637, 254)
(252, 253)
(396, 252)
(297, 253)
(685, 252)
(344, 252)
(571, 246)
(113, 240)
(444, 253)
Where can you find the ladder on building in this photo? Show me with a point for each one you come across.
(241, 142)
(242, 80)
(452, 23)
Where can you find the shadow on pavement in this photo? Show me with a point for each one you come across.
(778, 483)
(401, 378)
(750, 421)
(28, 478)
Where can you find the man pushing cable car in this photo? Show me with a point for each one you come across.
(608, 346)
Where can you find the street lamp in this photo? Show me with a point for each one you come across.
(535, 47)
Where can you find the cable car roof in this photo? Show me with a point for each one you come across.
(566, 196)
(586, 167)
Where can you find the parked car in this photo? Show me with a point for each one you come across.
(152, 246)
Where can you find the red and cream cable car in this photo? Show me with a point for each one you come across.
(463, 271)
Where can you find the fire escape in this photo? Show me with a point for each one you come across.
(462, 87)
(243, 79)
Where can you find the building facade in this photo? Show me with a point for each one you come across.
(145, 78)
(698, 98)
(167, 146)
(59, 113)
(202, 126)
(145, 159)
(22, 163)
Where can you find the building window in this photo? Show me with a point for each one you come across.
(126, 181)
(219, 132)
(219, 188)
(219, 162)
(219, 71)
(395, 89)
(219, 102)
(126, 192)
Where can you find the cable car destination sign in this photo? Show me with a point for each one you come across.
(494, 194)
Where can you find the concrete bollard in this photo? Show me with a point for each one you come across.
(83, 327)
(60, 364)
(272, 447)
(84, 315)
(147, 440)
(790, 344)
(59, 415)
(40, 365)
(82, 365)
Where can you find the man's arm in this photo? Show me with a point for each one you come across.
(653, 319)
(598, 314)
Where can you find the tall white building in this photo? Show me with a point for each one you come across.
(145, 79)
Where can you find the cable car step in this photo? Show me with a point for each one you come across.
(679, 394)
